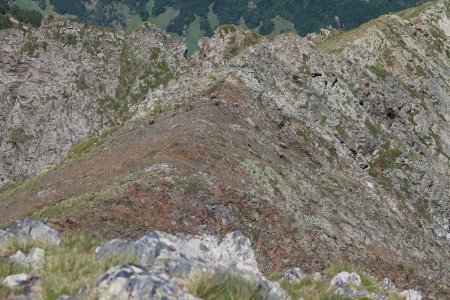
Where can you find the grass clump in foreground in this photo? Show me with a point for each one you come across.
(307, 288)
(7, 268)
(368, 283)
(228, 286)
(67, 267)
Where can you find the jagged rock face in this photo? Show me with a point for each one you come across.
(65, 82)
(165, 264)
(178, 258)
(322, 149)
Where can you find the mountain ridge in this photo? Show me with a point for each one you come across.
(327, 148)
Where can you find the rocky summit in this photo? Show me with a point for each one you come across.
(324, 151)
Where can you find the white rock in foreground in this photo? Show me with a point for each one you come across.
(180, 258)
(13, 281)
(345, 279)
(411, 295)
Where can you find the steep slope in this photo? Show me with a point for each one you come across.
(64, 82)
(328, 148)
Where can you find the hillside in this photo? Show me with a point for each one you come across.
(198, 18)
(329, 148)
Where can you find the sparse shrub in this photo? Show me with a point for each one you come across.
(386, 157)
(190, 185)
(420, 71)
(30, 48)
(369, 283)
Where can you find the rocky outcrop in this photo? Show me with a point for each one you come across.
(165, 267)
(30, 229)
(328, 148)
(65, 82)
(184, 257)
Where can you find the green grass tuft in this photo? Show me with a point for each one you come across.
(22, 244)
(422, 207)
(190, 185)
(67, 267)
(415, 11)
(276, 276)
(386, 157)
(333, 270)
(8, 268)
(369, 283)
(374, 128)
(228, 286)
(90, 144)
(379, 71)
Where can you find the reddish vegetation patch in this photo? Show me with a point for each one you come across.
(144, 208)
(65, 224)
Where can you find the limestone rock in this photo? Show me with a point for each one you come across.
(294, 275)
(35, 258)
(346, 279)
(58, 85)
(133, 282)
(16, 280)
(388, 283)
(364, 116)
(181, 257)
(411, 295)
(32, 229)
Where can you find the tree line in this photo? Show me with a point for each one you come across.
(31, 17)
(306, 15)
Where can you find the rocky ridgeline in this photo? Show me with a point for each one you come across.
(332, 147)
(164, 266)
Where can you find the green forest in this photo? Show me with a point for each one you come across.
(194, 19)
(306, 15)
(10, 12)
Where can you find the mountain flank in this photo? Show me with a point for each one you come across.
(329, 148)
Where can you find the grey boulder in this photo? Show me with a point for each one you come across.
(29, 228)
(181, 257)
(133, 282)
(16, 280)
(35, 258)
(294, 275)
